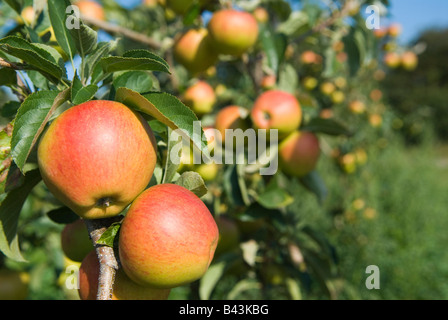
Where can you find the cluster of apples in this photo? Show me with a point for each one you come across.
(229, 32)
(98, 158)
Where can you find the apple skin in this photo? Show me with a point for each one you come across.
(97, 157)
(14, 285)
(299, 153)
(75, 240)
(233, 32)
(168, 237)
(123, 287)
(91, 9)
(200, 97)
(230, 117)
(276, 109)
(194, 51)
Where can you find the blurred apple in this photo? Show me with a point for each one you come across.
(75, 240)
(310, 83)
(230, 117)
(327, 88)
(409, 60)
(200, 97)
(261, 15)
(394, 30)
(357, 106)
(268, 82)
(91, 9)
(310, 57)
(337, 97)
(392, 59)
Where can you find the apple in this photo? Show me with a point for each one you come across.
(357, 106)
(337, 97)
(194, 51)
(27, 16)
(310, 83)
(392, 59)
(375, 120)
(91, 9)
(208, 171)
(75, 240)
(233, 32)
(150, 3)
(299, 153)
(97, 157)
(327, 88)
(268, 82)
(200, 97)
(326, 113)
(276, 109)
(210, 135)
(14, 285)
(261, 15)
(394, 30)
(123, 287)
(380, 33)
(229, 235)
(273, 274)
(376, 94)
(409, 60)
(348, 162)
(310, 57)
(230, 117)
(168, 237)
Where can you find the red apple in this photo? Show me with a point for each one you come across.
(299, 153)
(168, 237)
(394, 30)
(75, 240)
(230, 117)
(200, 97)
(233, 32)
(268, 82)
(97, 157)
(194, 51)
(123, 287)
(91, 9)
(276, 109)
(409, 60)
(310, 57)
(261, 15)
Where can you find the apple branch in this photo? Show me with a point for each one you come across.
(106, 256)
(128, 33)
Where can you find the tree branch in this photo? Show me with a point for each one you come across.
(109, 27)
(109, 264)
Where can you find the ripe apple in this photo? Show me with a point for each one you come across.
(409, 60)
(194, 51)
(394, 30)
(168, 237)
(357, 106)
(348, 162)
(299, 153)
(75, 240)
(208, 171)
(97, 157)
(276, 109)
(230, 117)
(392, 59)
(91, 9)
(233, 32)
(200, 97)
(375, 120)
(229, 234)
(123, 287)
(150, 3)
(261, 15)
(327, 88)
(310, 57)
(268, 82)
(326, 113)
(14, 285)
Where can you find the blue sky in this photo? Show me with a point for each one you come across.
(418, 15)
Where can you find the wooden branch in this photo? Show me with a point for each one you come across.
(109, 263)
(128, 33)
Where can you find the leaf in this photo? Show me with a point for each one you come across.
(139, 81)
(101, 50)
(326, 126)
(109, 236)
(193, 181)
(243, 285)
(7, 77)
(57, 12)
(84, 37)
(210, 279)
(171, 166)
(81, 94)
(274, 196)
(314, 183)
(135, 60)
(16, 5)
(297, 23)
(170, 111)
(9, 216)
(34, 56)
(30, 121)
(288, 79)
(62, 215)
(274, 45)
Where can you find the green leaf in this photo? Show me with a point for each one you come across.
(62, 215)
(297, 23)
(34, 56)
(16, 5)
(288, 79)
(170, 111)
(109, 237)
(171, 167)
(210, 279)
(135, 60)
(314, 183)
(31, 119)
(57, 12)
(84, 37)
(275, 196)
(100, 51)
(139, 81)
(326, 126)
(274, 45)
(192, 181)
(81, 94)
(9, 109)
(9, 216)
(8, 77)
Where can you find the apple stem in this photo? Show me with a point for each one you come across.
(109, 263)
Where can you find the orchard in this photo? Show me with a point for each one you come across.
(193, 150)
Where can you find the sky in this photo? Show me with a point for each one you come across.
(417, 15)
